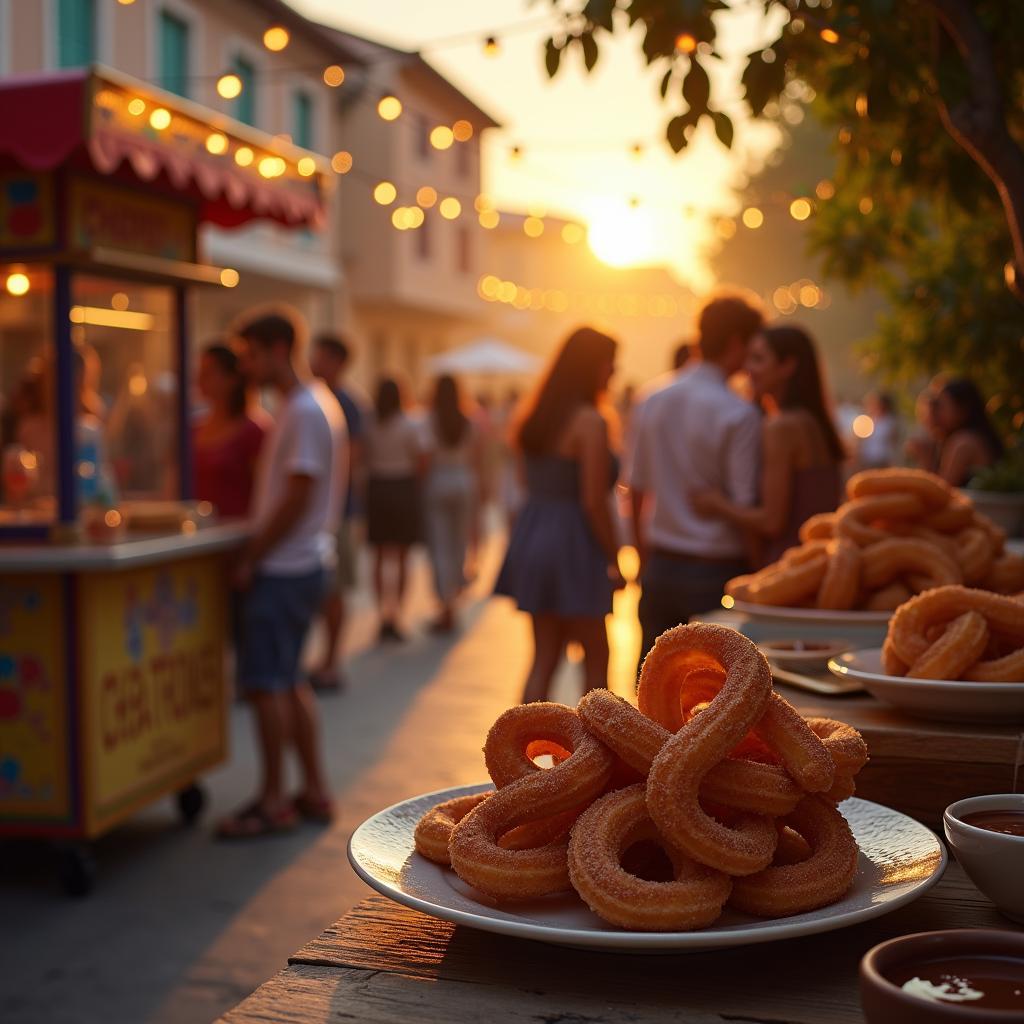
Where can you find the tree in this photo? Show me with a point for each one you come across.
(925, 97)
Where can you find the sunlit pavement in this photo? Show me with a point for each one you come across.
(181, 927)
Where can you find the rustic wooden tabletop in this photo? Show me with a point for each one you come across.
(385, 964)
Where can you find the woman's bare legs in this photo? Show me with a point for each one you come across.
(549, 636)
(593, 635)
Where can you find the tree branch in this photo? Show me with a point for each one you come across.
(979, 124)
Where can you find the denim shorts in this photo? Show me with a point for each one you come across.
(277, 612)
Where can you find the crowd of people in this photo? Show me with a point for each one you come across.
(722, 460)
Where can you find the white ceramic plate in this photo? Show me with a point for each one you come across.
(809, 616)
(940, 699)
(900, 860)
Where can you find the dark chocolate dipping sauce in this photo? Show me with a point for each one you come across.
(1010, 823)
(957, 980)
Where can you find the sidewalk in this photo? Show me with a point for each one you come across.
(181, 927)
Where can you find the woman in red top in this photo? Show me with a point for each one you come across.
(227, 440)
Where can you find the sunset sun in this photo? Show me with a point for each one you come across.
(621, 235)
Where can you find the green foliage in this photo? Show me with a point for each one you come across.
(936, 237)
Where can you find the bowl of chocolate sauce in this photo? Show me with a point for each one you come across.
(963, 974)
(986, 834)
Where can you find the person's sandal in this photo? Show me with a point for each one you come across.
(319, 811)
(253, 822)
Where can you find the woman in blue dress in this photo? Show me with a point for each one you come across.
(561, 565)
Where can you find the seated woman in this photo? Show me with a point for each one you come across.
(801, 451)
(967, 440)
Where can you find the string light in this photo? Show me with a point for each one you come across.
(244, 156)
(516, 152)
(685, 43)
(450, 208)
(389, 108)
(136, 107)
(341, 162)
(160, 119)
(866, 205)
(726, 227)
(334, 75)
(491, 47)
(800, 209)
(863, 426)
(825, 189)
(637, 149)
(482, 203)
(896, 157)
(829, 35)
(216, 143)
(272, 167)
(861, 105)
(414, 216)
(276, 38)
(462, 130)
(385, 193)
(533, 227)
(229, 86)
(489, 219)
(399, 218)
(426, 196)
(229, 277)
(306, 166)
(572, 234)
(17, 284)
(753, 217)
(442, 137)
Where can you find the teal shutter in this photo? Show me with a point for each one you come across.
(174, 62)
(245, 105)
(76, 33)
(302, 117)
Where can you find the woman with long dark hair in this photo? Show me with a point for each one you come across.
(967, 440)
(801, 453)
(561, 564)
(228, 438)
(451, 494)
(394, 465)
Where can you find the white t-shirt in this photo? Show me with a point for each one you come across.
(695, 435)
(393, 447)
(308, 438)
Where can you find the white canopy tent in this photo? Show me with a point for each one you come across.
(485, 356)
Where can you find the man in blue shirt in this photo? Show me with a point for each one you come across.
(329, 361)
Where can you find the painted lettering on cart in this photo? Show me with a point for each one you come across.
(164, 690)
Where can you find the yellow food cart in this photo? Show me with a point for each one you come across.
(113, 600)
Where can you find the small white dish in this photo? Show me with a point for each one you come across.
(803, 655)
(806, 616)
(899, 861)
(994, 861)
(942, 699)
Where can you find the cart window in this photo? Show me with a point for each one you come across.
(27, 469)
(127, 331)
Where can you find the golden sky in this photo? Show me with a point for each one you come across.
(578, 131)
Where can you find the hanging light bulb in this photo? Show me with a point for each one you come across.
(442, 137)
(462, 130)
(389, 108)
(276, 38)
(229, 86)
(334, 75)
(491, 46)
(685, 43)
(829, 35)
(516, 152)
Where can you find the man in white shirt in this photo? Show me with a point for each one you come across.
(692, 435)
(283, 573)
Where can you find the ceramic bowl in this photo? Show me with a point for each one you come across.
(994, 861)
(803, 655)
(885, 1002)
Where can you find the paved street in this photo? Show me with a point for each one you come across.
(181, 927)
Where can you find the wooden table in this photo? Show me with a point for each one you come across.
(384, 964)
(920, 767)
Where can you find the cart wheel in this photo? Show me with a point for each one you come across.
(77, 870)
(191, 801)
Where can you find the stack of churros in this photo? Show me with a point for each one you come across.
(957, 633)
(713, 792)
(901, 532)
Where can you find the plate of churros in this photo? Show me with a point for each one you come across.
(899, 860)
(953, 653)
(710, 813)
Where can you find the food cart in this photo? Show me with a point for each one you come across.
(113, 601)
